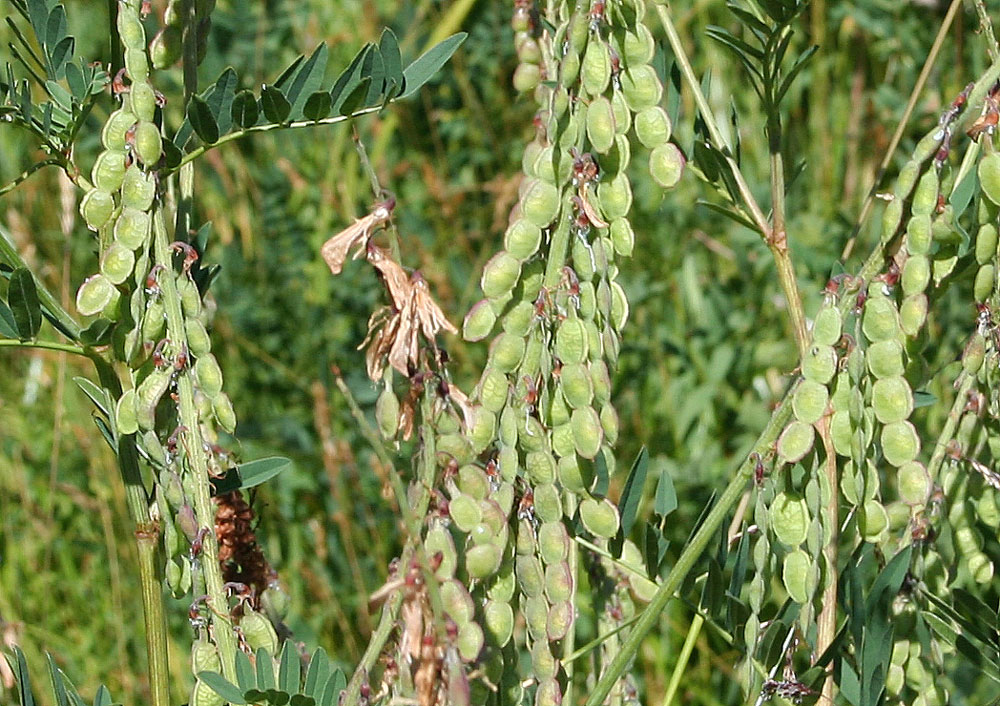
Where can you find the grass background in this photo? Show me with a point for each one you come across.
(706, 354)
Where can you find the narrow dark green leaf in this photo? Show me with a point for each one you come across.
(265, 670)
(306, 80)
(223, 687)
(963, 193)
(388, 47)
(654, 549)
(202, 121)
(794, 71)
(376, 78)
(628, 504)
(356, 98)
(665, 501)
(58, 687)
(334, 685)
(275, 106)
(96, 394)
(78, 86)
(850, 686)
(736, 45)
(172, 154)
(22, 297)
(317, 106)
(317, 673)
(244, 111)
(220, 99)
(38, 16)
(98, 333)
(55, 27)
(62, 54)
(102, 697)
(245, 676)
(8, 329)
(603, 478)
(349, 78)
(289, 669)
(286, 76)
(106, 432)
(23, 680)
(420, 71)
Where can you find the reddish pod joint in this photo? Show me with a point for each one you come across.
(182, 359)
(152, 282)
(159, 360)
(190, 254)
(596, 15)
(175, 438)
(956, 105)
(118, 83)
(199, 542)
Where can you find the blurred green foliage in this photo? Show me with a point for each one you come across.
(707, 353)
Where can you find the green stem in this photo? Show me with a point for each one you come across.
(965, 383)
(682, 658)
(27, 173)
(151, 585)
(46, 345)
(689, 556)
(203, 506)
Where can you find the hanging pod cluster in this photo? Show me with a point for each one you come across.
(167, 46)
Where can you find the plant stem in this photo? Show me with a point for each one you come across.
(27, 173)
(203, 506)
(965, 383)
(826, 623)
(46, 345)
(691, 553)
(682, 658)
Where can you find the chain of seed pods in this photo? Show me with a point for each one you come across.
(168, 45)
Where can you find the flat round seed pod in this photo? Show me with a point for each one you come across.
(553, 542)
(587, 431)
(543, 664)
(386, 411)
(615, 196)
(622, 236)
(558, 582)
(810, 401)
(925, 196)
(913, 314)
(138, 189)
(619, 306)
(652, 127)
(610, 423)
(142, 100)
(526, 77)
(500, 275)
(530, 575)
(502, 585)
(892, 217)
(125, 413)
(563, 444)
(974, 353)
(518, 320)
(470, 641)
(600, 124)
(456, 601)
(493, 390)
(595, 69)
(559, 621)
(880, 320)
(989, 176)
(483, 431)
(225, 415)
(576, 384)
(465, 512)
(986, 508)
(540, 203)
(569, 68)
(873, 521)
(96, 208)
(914, 483)
(548, 506)
(202, 694)
(132, 228)
(438, 543)
(148, 145)
(599, 517)
(559, 411)
(892, 399)
(588, 300)
(117, 262)
(522, 239)
(666, 165)
(536, 616)
(623, 116)
(454, 447)
(900, 443)
(540, 467)
(479, 321)
(94, 294)
(137, 64)
(986, 243)
(532, 435)
(482, 560)
(259, 632)
(472, 482)
(571, 341)
(209, 375)
(841, 432)
(204, 657)
(885, 358)
(117, 125)
(919, 235)
(789, 518)
(916, 274)
(571, 475)
(638, 46)
(109, 170)
(796, 572)
(641, 86)
(601, 380)
(583, 259)
(985, 282)
(827, 326)
(166, 48)
(980, 568)
(499, 619)
(819, 364)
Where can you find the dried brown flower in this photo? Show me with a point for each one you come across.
(335, 250)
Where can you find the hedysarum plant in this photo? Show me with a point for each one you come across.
(511, 533)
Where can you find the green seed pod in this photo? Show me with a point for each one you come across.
(595, 70)
(641, 86)
(203, 695)
(841, 432)
(666, 165)
(540, 203)
(540, 467)
(916, 274)
(204, 657)
(94, 294)
(527, 77)
(986, 243)
(610, 423)
(974, 353)
(132, 228)
(619, 306)
(259, 632)
(472, 482)
(985, 281)
(507, 436)
(109, 170)
(587, 432)
(900, 443)
(599, 517)
(873, 521)
(530, 576)
(117, 262)
(925, 196)
(559, 621)
(559, 411)
(986, 507)
(615, 197)
(553, 542)
(479, 321)
(601, 381)
(499, 620)
(528, 50)
(142, 100)
(531, 433)
(891, 218)
(456, 601)
(583, 259)
(638, 46)
(225, 416)
(652, 127)
(543, 664)
(483, 431)
(623, 116)
(548, 506)
(553, 166)
(569, 68)
(796, 574)
(500, 275)
(906, 180)
(138, 189)
(880, 320)
(919, 235)
(913, 314)
(438, 543)
(980, 568)
(563, 443)
(558, 582)
(810, 401)
(465, 512)
(789, 519)
(96, 208)
(885, 358)
(130, 30)
(522, 239)
(148, 144)
(600, 124)
(516, 322)
(622, 236)
(967, 540)
(577, 385)
(154, 322)
(493, 390)
(536, 613)
(137, 65)
(571, 475)
(125, 413)
(571, 341)
(209, 375)
(198, 340)
(827, 327)
(892, 399)
(148, 395)
(914, 483)
(117, 125)
(989, 176)
(506, 352)
(819, 364)
(166, 48)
